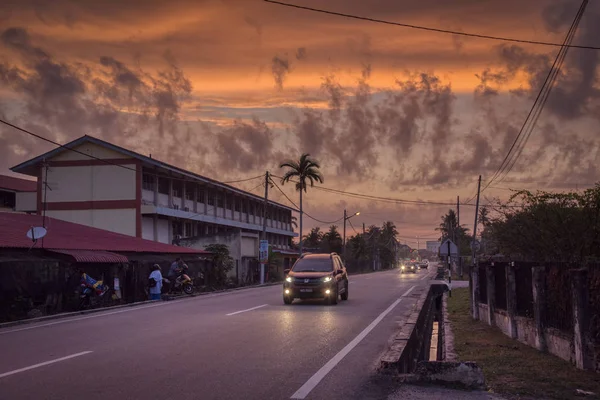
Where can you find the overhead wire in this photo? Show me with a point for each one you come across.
(105, 161)
(534, 108)
(298, 208)
(426, 28)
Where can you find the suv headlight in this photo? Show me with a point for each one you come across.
(402, 267)
(288, 279)
(327, 279)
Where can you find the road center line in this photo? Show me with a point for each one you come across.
(249, 309)
(16, 371)
(408, 291)
(325, 369)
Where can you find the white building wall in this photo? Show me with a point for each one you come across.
(88, 148)
(119, 221)
(99, 182)
(148, 228)
(163, 231)
(26, 201)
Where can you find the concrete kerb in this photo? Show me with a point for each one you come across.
(139, 303)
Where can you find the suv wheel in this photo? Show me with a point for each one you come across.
(287, 300)
(344, 296)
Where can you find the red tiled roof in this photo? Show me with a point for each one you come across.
(63, 235)
(93, 256)
(17, 184)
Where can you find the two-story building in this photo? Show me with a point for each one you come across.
(96, 183)
(15, 191)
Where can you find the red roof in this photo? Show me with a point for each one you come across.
(63, 235)
(93, 256)
(17, 184)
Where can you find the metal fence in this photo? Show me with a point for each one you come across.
(499, 270)
(524, 290)
(559, 308)
(482, 284)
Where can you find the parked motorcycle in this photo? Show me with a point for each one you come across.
(182, 284)
(93, 293)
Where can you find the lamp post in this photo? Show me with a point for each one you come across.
(346, 218)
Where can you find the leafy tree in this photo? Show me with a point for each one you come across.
(222, 261)
(450, 229)
(546, 226)
(314, 238)
(306, 171)
(332, 241)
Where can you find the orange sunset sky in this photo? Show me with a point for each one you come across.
(230, 88)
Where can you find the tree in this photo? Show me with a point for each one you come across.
(306, 170)
(450, 229)
(387, 242)
(314, 238)
(222, 261)
(546, 226)
(332, 241)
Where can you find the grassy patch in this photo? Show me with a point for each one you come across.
(510, 367)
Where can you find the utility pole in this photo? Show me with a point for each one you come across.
(344, 241)
(475, 224)
(460, 272)
(264, 230)
(363, 228)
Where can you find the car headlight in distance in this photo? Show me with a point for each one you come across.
(402, 267)
(288, 279)
(327, 279)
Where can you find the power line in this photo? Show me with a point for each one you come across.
(536, 108)
(425, 28)
(298, 208)
(62, 146)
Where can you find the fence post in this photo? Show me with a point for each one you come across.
(491, 293)
(584, 356)
(475, 292)
(539, 306)
(511, 299)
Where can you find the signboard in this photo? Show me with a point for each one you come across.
(444, 248)
(263, 251)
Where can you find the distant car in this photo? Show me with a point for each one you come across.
(317, 276)
(408, 267)
(424, 264)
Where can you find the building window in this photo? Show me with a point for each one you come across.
(148, 182)
(237, 204)
(177, 228)
(211, 198)
(177, 187)
(163, 185)
(201, 194)
(188, 229)
(220, 200)
(189, 191)
(245, 207)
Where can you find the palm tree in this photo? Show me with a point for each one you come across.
(332, 240)
(306, 170)
(314, 237)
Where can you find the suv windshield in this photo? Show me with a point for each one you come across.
(313, 265)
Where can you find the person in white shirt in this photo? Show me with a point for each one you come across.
(155, 282)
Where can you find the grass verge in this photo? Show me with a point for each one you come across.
(510, 367)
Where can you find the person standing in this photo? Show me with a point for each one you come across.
(155, 282)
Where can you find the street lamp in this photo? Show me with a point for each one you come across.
(346, 218)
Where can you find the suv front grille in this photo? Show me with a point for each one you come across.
(307, 281)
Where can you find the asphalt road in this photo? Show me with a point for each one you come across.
(239, 345)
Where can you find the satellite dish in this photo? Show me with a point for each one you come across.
(36, 232)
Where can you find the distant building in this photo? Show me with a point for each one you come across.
(433, 246)
(109, 187)
(17, 194)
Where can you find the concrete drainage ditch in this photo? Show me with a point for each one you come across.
(422, 352)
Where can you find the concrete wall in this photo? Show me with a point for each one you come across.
(119, 221)
(231, 240)
(148, 228)
(26, 201)
(91, 183)
(559, 344)
(88, 148)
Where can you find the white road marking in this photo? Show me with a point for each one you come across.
(408, 291)
(16, 371)
(325, 369)
(249, 309)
